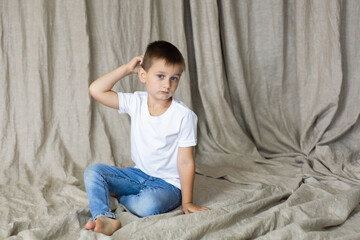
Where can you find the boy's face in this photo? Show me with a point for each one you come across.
(161, 80)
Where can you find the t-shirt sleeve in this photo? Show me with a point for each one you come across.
(188, 131)
(125, 102)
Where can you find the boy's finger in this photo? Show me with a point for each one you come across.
(185, 210)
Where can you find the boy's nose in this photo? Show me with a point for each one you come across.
(167, 83)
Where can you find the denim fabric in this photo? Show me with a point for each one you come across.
(140, 193)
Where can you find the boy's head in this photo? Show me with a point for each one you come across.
(162, 50)
(161, 70)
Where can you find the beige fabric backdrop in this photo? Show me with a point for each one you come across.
(275, 84)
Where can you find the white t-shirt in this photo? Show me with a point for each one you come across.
(155, 139)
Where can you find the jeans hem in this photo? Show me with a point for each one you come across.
(106, 214)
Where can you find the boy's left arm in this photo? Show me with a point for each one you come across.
(186, 167)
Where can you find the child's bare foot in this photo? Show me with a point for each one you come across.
(104, 225)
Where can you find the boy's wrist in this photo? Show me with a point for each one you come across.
(125, 69)
(128, 69)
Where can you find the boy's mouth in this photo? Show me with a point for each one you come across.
(164, 92)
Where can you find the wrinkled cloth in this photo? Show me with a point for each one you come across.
(275, 84)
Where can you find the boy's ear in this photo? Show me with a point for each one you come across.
(142, 75)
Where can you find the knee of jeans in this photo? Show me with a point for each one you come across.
(147, 206)
(92, 172)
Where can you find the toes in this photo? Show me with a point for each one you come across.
(90, 225)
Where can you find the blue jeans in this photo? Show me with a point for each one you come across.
(140, 193)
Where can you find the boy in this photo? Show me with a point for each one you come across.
(163, 135)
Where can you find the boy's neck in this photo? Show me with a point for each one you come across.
(156, 108)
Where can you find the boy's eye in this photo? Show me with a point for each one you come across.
(160, 76)
(174, 78)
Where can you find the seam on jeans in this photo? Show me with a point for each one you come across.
(116, 176)
(178, 203)
(107, 195)
(176, 190)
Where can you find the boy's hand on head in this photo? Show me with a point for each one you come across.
(134, 64)
(191, 208)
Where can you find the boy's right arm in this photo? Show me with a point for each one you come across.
(100, 89)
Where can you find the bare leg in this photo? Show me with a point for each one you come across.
(104, 225)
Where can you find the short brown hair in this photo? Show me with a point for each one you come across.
(162, 50)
